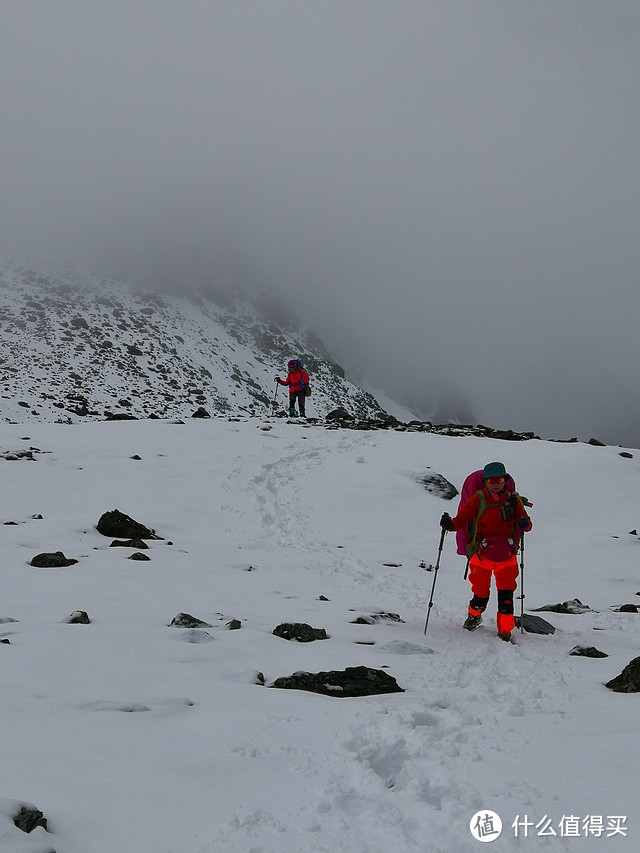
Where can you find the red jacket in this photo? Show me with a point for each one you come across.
(297, 380)
(498, 532)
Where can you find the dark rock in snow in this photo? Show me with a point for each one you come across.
(353, 681)
(534, 624)
(573, 606)
(28, 818)
(339, 414)
(78, 617)
(186, 620)
(201, 412)
(140, 544)
(627, 608)
(138, 556)
(234, 625)
(300, 631)
(629, 679)
(438, 485)
(587, 652)
(55, 560)
(374, 618)
(116, 523)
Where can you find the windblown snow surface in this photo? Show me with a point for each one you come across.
(132, 736)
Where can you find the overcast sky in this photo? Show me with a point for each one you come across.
(447, 190)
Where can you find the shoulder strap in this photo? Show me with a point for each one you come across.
(473, 524)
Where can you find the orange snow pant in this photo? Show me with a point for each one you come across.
(506, 572)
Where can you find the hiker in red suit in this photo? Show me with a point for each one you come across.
(500, 519)
(297, 380)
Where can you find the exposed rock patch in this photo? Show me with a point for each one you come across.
(351, 682)
(572, 606)
(78, 617)
(629, 679)
(300, 631)
(534, 624)
(55, 560)
(438, 485)
(587, 652)
(121, 526)
(186, 620)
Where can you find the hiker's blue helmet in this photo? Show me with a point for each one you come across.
(294, 363)
(494, 469)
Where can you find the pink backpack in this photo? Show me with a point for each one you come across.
(473, 483)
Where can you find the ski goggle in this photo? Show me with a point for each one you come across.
(495, 481)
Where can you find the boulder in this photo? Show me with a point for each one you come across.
(299, 631)
(55, 560)
(28, 818)
(587, 652)
(629, 679)
(534, 624)
(116, 523)
(353, 681)
(186, 620)
(78, 617)
(438, 485)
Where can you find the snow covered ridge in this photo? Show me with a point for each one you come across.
(81, 347)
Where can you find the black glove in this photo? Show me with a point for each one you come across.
(523, 523)
(445, 521)
(278, 379)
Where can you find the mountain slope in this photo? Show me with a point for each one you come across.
(78, 346)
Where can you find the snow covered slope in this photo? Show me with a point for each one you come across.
(77, 346)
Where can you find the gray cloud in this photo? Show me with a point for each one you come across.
(446, 191)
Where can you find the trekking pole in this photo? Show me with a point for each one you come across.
(466, 568)
(522, 582)
(435, 575)
(275, 394)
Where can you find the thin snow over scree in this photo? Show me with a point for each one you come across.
(80, 347)
(138, 730)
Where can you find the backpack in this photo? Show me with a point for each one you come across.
(465, 538)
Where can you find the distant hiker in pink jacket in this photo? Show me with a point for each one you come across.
(298, 382)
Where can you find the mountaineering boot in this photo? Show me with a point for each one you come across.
(472, 622)
(505, 635)
(292, 413)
